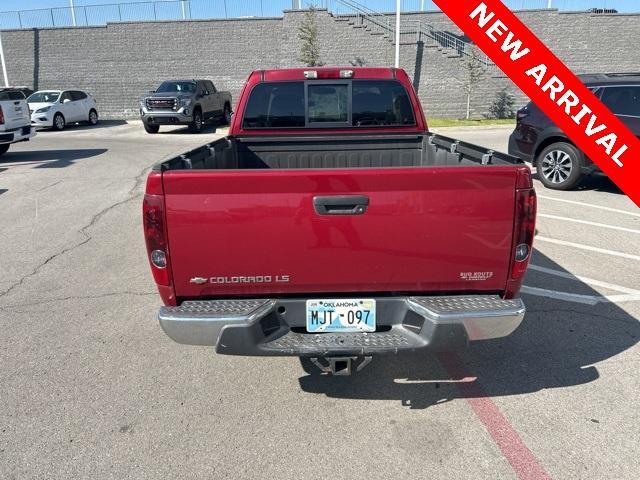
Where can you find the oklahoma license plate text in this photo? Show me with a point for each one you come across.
(341, 315)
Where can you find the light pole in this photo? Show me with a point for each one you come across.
(397, 33)
(73, 13)
(549, 3)
(184, 12)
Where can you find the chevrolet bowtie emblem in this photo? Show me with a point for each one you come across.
(198, 280)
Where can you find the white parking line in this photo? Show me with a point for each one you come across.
(629, 294)
(588, 248)
(577, 298)
(621, 298)
(588, 281)
(585, 222)
(591, 205)
(568, 297)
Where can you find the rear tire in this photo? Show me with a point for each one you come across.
(93, 117)
(196, 125)
(226, 115)
(151, 128)
(560, 166)
(59, 122)
(4, 147)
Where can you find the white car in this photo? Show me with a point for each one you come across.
(14, 119)
(57, 108)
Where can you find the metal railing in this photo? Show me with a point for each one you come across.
(429, 5)
(153, 10)
(454, 44)
(359, 14)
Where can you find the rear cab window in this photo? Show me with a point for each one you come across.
(210, 86)
(11, 95)
(276, 105)
(328, 103)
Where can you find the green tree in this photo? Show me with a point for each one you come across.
(474, 72)
(308, 34)
(358, 62)
(503, 106)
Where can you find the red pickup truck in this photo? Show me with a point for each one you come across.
(331, 225)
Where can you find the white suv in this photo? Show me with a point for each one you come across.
(14, 119)
(57, 108)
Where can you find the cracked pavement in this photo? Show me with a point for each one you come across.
(91, 388)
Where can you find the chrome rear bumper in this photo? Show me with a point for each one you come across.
(277, 326)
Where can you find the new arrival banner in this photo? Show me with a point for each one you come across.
(552, 86)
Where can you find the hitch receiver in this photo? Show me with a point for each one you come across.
(341, 366)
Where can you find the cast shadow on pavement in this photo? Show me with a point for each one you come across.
(557, 345)
(85, 126)
(593, 183)
(51, 158)
(206, 128)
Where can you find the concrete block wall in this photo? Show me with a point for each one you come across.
(437, 77)
(120, 62)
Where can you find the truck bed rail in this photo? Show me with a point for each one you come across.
(344, 151)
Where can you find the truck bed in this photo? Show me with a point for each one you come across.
(348, 151)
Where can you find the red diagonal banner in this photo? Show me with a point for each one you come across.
(552, 87)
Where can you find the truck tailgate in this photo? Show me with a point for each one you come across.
(252, 233)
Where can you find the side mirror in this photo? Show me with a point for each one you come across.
(66, 100)
(152, 91)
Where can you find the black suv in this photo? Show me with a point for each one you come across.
(561, 165)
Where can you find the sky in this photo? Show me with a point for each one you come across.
(379, 5)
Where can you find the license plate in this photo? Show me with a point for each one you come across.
(18, 109)
(341, 315)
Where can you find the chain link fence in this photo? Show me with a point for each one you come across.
(90, 15)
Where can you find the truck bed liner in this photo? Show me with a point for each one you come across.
(347, 151)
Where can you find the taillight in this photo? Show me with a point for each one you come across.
(522, 114)
(1, 116)
(155, 233)
(524, 230)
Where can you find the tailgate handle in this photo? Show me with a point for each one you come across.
(341, 205)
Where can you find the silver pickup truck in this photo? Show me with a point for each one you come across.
(185, 102)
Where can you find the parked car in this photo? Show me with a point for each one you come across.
(560, 164)
(331, 225)
(14, 119)
(58, 108)
(185, 102)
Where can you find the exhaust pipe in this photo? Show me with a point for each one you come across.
(341, 366)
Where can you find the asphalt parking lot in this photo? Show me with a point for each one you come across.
(91, 388)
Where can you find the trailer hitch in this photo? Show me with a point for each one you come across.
(341, 366)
